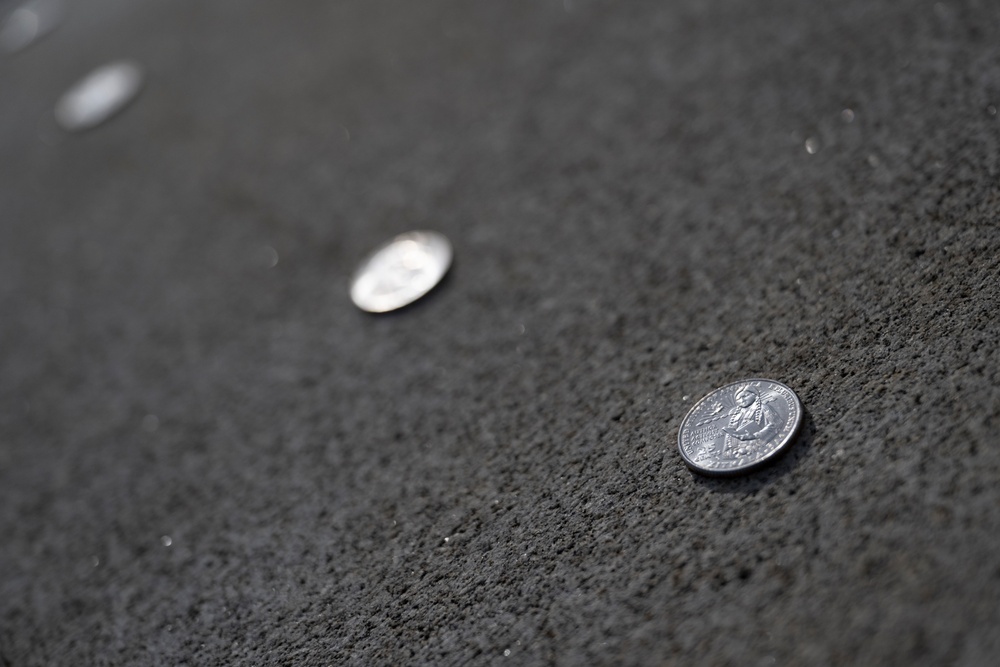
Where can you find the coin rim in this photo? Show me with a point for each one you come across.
(363, 264)
(734, 472)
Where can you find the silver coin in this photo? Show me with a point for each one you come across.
(401, 271)
(29, 23)
(739, 427)
(99, 95)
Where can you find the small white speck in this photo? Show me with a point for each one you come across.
(166, 540)
(812, 146)
(847, 115)
(150, 423)
(446, 540)
(506, 652)
(685, 397)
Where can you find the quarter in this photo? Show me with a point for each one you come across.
(99, 95)
(739, 427)
(28, 23)
(400, 271)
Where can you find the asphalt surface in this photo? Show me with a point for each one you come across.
(207, 459)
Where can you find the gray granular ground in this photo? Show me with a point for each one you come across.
(207, 460)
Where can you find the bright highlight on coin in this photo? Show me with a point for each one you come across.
(99, 95)
(739, 427)
(401, 271)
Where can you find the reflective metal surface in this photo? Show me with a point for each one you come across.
(401, 271)
(739, 427)
(99, 95)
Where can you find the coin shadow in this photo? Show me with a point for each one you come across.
(773, 470)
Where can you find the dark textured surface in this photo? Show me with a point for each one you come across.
(627, 182)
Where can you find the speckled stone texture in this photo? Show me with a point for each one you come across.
(491, 476)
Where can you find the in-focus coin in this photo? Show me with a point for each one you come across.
(739, 427)
(401, 271)
(28, 23)
(99, 95)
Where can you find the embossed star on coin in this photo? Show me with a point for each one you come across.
(401, 271)
(99, 95)
(739, 427)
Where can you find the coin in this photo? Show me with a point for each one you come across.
(99, 95)
(739, 427)
(28, 23)
(400, 271)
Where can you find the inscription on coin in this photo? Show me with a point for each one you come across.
(739, 427)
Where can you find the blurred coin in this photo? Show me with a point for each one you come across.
(29, 23)
(739, 427)
(401, 271)
(99, 95)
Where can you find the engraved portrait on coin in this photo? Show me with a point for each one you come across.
(739, 426)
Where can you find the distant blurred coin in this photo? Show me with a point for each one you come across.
(28, 23)
(99, 95)
(739, 427)
(401, 271)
